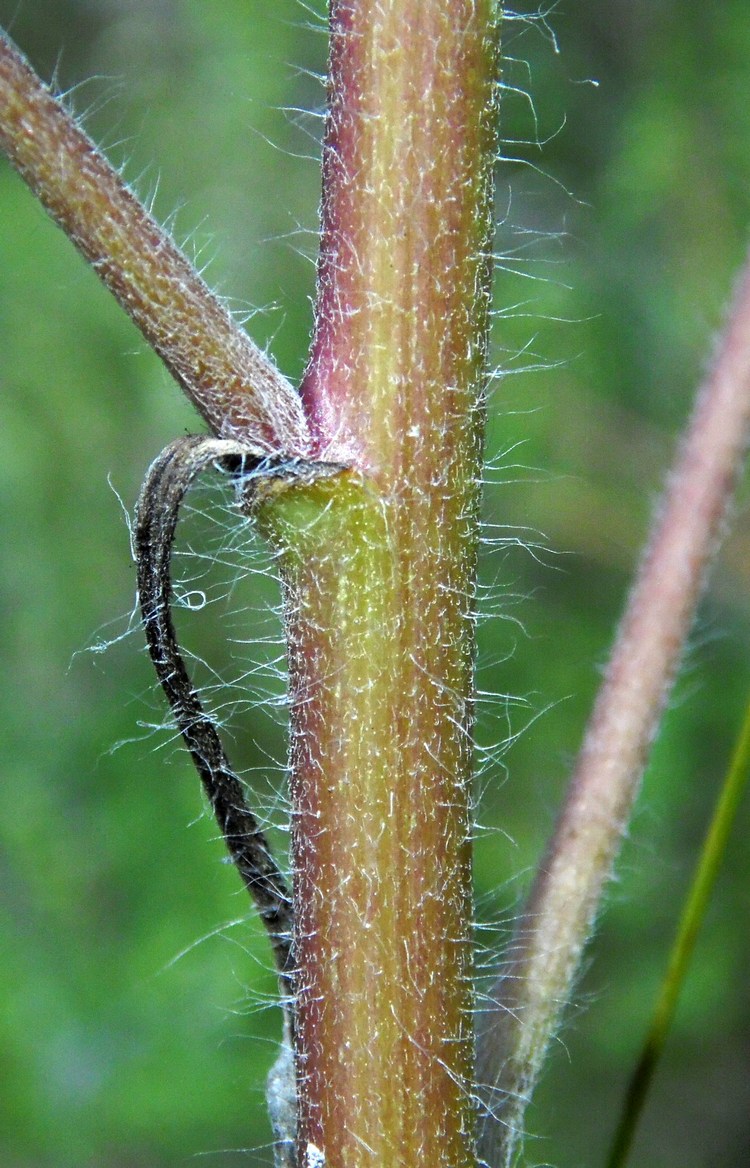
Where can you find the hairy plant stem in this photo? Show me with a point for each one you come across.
(378, 561)
(379, 570)
(536, 980)
(235, 386)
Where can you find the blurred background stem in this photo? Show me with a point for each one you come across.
(536, 980)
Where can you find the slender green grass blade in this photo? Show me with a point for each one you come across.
(693, 913)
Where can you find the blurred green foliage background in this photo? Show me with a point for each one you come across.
(137, 1018)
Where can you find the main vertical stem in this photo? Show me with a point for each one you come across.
(379, 570)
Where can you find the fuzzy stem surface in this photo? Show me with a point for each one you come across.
(235, 386)
(528, 999)
(379, 570)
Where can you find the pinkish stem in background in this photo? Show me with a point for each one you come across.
(535, 983)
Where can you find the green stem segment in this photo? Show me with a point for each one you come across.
(380, 766)
(693, 914)
(379, 572)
